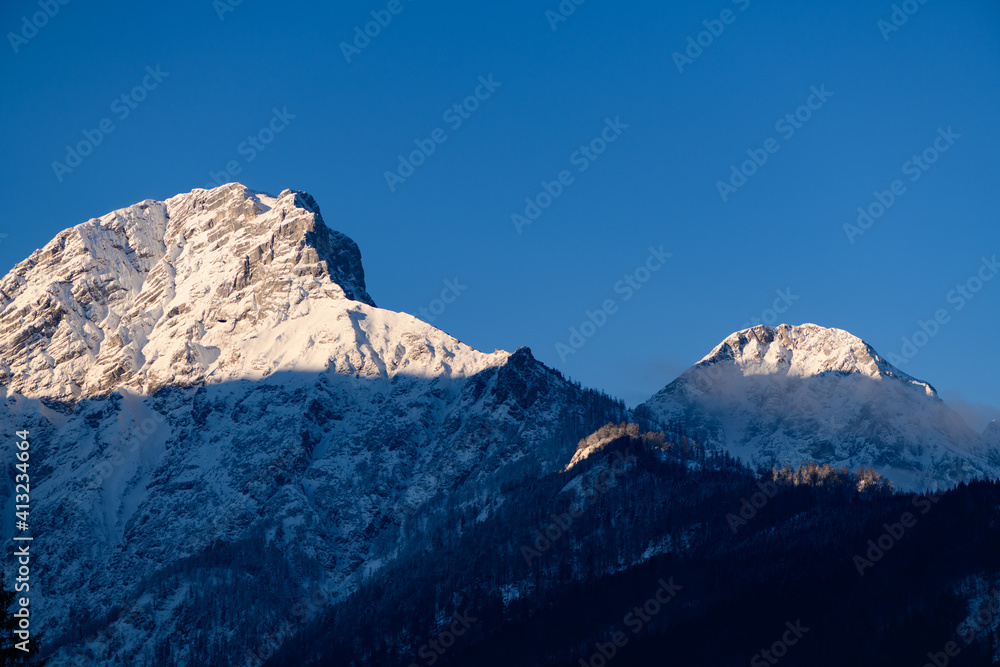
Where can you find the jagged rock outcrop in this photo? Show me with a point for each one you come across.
(172, 292)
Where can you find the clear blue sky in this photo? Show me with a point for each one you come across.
(655, 184)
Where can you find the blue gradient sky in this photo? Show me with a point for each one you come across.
(656, 184)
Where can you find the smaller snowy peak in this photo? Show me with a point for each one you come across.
(805, 350)
(791, 394)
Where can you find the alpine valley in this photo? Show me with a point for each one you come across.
(239, 459)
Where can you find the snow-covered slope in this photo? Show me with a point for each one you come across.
(218, 410)
(989, 443)
(991, 435)
(772, 395)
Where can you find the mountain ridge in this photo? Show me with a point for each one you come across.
(209, 387)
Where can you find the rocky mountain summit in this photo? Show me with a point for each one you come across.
(211, 285)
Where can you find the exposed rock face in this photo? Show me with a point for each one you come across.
(165, 292)
(789, 394)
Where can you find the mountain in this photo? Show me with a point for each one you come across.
(211, 391)
(791, 394)
(237, 458)
(646, 548)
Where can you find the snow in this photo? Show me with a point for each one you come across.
(210, 286)
(217, 359)
(174, 353)
(791, 394)
(806, 350)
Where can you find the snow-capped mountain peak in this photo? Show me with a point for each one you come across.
(791, 394)
(207, 286)
(222, 377)
(805, 350)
